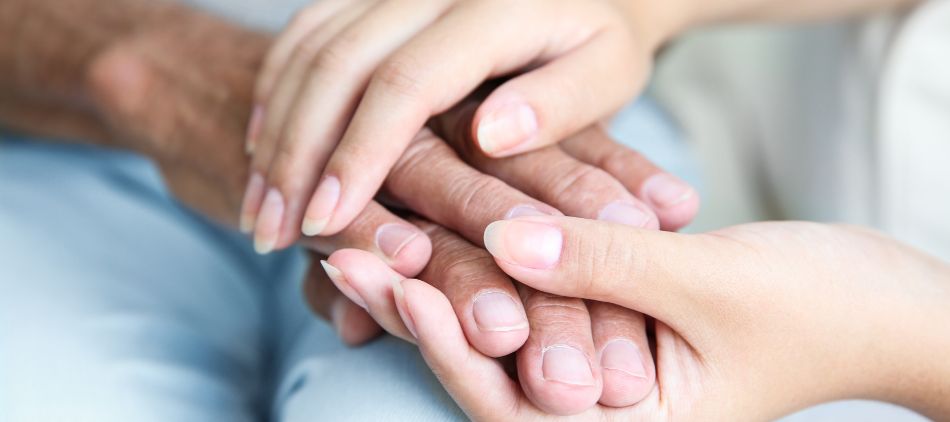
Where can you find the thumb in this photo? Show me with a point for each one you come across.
(654, 272)
(546, 105)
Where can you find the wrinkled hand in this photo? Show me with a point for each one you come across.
(752, 322)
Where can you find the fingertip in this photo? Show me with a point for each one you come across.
(321, 208)
(622, 389)
(505, 129)
(681, 214)
(627, 377)
(497, 324)
(675, 202)
(545, 385)
(413, 256)
(403, 308)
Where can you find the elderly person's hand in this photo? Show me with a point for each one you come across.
(752, 322)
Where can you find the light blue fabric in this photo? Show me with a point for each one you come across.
(116, 304)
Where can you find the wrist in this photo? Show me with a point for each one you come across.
(913, 370)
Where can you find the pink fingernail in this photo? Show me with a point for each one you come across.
(498, 312)
(524, 243)
(403, 308)
(321, 206)
(566, 364)
(339, 279)
(390, 238)
(625, 213)
(622, 356)
(254, 128)
(664, 191)
(252, 196)
(268, 222)
(506, 128)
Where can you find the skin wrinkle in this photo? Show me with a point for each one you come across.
(556, 305)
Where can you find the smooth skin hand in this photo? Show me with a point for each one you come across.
(753, 322)
(349, 84)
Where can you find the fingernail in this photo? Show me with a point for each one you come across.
(338, 279)
(254, 128)
(390, 238)
(255, 189)
(566, 364)
(623, 356)
(524, 243)
(506, 128)
(524, 211)
(268, 222)
(321, 206)
(498, 312)
(666, 191)
(625, 213)
(402, 307)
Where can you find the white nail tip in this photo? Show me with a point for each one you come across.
(494, 242)
(264, 246)
(314, 227)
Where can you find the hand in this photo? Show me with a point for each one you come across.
(752, 322)
(433, 180)
(349, 85)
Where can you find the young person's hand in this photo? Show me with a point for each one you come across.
(752, 322)
(349, 84)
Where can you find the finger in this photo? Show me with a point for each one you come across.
(277, 97)
(368, 282)
(431, 180)
(674, 202)
(557, 366)
(477, 382)
(552, 176)
(327, 97)
(275, 111)
(543, 106)
(401, 245)
(483, 297)
(658, 273)
(304, 21)
(626, 362)
(426, 76)
(352, 323)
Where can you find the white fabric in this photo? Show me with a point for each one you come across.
(844, 121)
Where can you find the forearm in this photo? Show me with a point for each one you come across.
(46, 48)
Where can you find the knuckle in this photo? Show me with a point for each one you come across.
(404, 75)
(334, 59)
(339, 56)
(621, 160)
(477, 194)
(547, 310)
(426, 152)
(578, 180)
